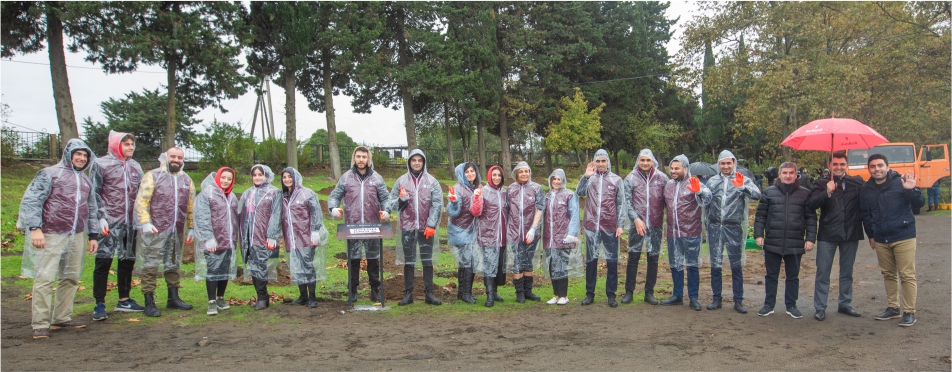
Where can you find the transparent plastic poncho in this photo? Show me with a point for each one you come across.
(605, 211)
(362, 198)
(683, 209)
(490, 211)
(305, 236)
(422, 209)
(523, 200)
(462, 224)
(560, 228)
(727, 219)
(259, 214)
(645, 195)
(115, 183)
(216, 227)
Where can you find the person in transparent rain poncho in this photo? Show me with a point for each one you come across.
(644, 190)
(684, 196)
(259, 216)
(419, 199)
(525, 201)
(361, 197)
(58, 212)
(560, 228)
(461, 227)
(115, 179)
(726, 225)
(605, 213)
(163, 214)
(305, 236)
(489, 207)
(216, 227)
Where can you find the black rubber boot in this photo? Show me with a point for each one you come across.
(303, 298)
(501, 271)
(353, 273)
(150, 308)
(261, 288)
(461, 282)
(428, 286)
(490, 283)
(407, 285)
(520, 290)
(373, 276)
(465, 290)
(527, 289)
(174, 302)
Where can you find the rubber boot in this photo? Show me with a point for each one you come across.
(407, 285)
(461, 282)
(150, 308)
(261, 288)
(501, 271)
(303, 298)
(527, 288)
(373, 276)
(469, 281)
(428, 286)
(466, 288)
(353, 273)
(490, 283)
(174, 302)
(520, 290)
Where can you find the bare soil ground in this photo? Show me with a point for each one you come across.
(532, 337)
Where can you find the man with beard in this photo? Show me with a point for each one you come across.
(683, 198)
(605, 213)
(115, 180)
(163, 211)
(364, 197)
(841, 227)
(644, 187)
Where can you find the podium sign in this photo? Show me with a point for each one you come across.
(359, 231)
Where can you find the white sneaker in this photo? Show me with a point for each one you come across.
(563, 300)
(553, 300)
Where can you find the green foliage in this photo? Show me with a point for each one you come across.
(345, 144)
(579, 128)
(145, 116)
(271, 152)
(224, 145)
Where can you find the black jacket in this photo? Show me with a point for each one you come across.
(784, 220)
(887, 209)
(840, 218)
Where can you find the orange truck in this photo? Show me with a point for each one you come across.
(930, 164)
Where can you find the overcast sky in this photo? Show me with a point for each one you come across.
(26, 87)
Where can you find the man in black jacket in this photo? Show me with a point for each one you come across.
(841, 226)
(886, 203)
(785, 227)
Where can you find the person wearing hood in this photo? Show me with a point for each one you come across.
(605, 213)
(727, 221)
(418, 198)
(259, 217)
(216, 227)
(163, 211)
(115, 179)
(841, 226)
(525, 202)
(461, 227)
(683, 198)
(361, 197)
(644, 188)
(785, 227)
(58, 212)
(490, 209)
(886, 203)
(305, 236)
(560, 220)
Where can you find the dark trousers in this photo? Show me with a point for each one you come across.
(215, 287)
(101, 278)
(591, 277)
(824, 264)
(631, 273)
(560, 287)
(791, 264)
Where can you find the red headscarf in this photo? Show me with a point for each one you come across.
(489, 177)
(218, 179)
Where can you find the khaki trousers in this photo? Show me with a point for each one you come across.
(897, 260)
(62, 258)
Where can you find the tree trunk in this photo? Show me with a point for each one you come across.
(548, 161)
(617, 163)
(449, 138)
(331, 123)
(480, 144)
(62, 99)
(290, 123)
(172, 82)
(403, 58)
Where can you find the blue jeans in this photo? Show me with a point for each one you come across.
(729, 237)
(683, 255)
(934, 197)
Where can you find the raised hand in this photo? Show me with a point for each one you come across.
(738, 180)
(452, 194)
(590, 169)
(830, 186)
(909, 180)
(694, 185)
(478, 192)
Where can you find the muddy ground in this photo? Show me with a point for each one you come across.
(536, 337)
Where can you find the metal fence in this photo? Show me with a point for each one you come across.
(29, 145)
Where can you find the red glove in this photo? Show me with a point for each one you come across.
(403, 193)
(478, 192)
(695, 185)
(452, 195)
(738, 180)
(428, 233)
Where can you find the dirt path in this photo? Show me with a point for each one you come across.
(539, 337)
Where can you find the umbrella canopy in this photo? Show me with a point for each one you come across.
(834, 134)
(746, 172)
(700, 168)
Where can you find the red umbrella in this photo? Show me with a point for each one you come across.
(834, 134)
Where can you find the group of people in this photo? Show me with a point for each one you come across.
(142, 220)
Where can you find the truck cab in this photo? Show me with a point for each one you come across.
(930, 164)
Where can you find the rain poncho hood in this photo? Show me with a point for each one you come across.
(221, 170)
(259, 216)
(268, 174)
(489, 177)
(461, 175)
(115, 144)
(683, 159)
(416, 152)
(727, 154)
(518, 166)
(601, 153)
(648, 153)
(298, 180)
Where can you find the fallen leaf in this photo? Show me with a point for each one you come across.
(132, 320)
(28, 297)
(81, 288)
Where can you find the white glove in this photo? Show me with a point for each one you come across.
(211, 245)
(569, 239)
(322, 236)
(103, 227)
(315, 238)
(149, 227)
(272, 244)
(477, 192)
(530, 236)
(336, 212)
(384, 216)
